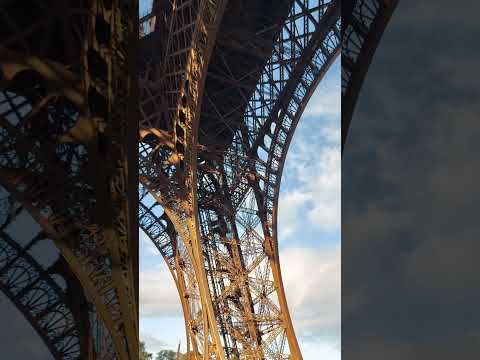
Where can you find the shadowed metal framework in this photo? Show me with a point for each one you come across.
(223, 85)
(48, 295)
(363, 24)
(66, 77)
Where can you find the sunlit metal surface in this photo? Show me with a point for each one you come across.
(221, 93)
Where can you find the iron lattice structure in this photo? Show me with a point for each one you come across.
(66, 77)
(222, 88)
(35, 291)
(48, 295)
(364, 22)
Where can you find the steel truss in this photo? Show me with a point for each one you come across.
(364, 22)
(214, 133)
(50, 297)
(65, 81)
(35, 292)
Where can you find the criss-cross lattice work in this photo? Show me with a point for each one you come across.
(34, 290)
(170, 181)
(213, 143)
(364, 22)
(41, 285)
(64, 133)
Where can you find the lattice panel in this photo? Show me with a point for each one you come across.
(64, 110)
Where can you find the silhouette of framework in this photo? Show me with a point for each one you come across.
(363, 24)
(66, 76)
(50, 298)
(223, 85)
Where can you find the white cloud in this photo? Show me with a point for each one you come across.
(158, 293)
(314, 350)
(315, 167)
(148, 244)
(313, 164)
(153, 344)
(291, 204)
(325, 186)
(312, 286)
(326, 101)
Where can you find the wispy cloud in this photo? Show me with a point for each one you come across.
(309, 212)
(147, 244)
(153, 344)
(312, 286)
(311, 193)
(158, 293)
(326, 101)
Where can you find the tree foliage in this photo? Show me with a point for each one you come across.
(143, 353)
(169, 355)
(166, 355)
(161, 355)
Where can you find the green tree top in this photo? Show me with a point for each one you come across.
(143, 353)
(169, 355)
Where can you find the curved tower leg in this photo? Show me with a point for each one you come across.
(64, 143)
(364, 22)
(219, 187)
(168, 162)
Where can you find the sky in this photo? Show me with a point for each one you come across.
(19, 339)
(410, 284)
(309, 239)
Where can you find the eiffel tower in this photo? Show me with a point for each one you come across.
(363, 24)
(68, 173)
(223, 85)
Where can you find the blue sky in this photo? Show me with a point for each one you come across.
(144, 6)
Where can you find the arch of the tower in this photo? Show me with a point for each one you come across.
(40, 294)
(64, 85)
(261, 74)
(364, 22)
(41, 285)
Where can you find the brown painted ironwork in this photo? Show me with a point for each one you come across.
(222, 88)
(66, 79)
